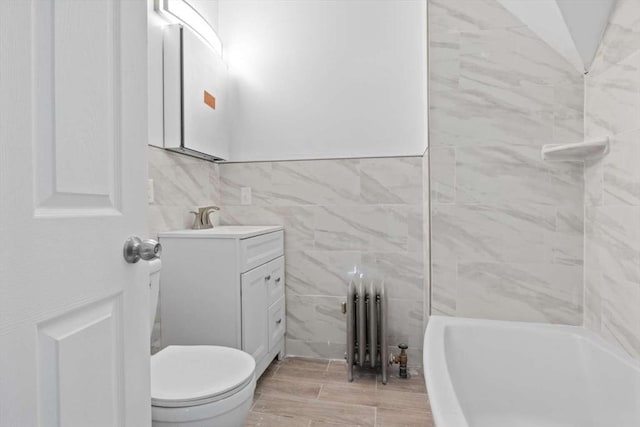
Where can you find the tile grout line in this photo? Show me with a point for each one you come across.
(375, 416)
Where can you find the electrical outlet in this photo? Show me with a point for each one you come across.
(245, 195)
(150, 193)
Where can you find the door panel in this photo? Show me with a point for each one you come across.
(77, 86)
(74, 333)
(72, 348)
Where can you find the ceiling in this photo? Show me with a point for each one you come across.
(572, 27)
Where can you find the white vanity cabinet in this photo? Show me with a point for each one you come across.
(225, 286)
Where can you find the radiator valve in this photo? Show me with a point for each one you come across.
(400, 359)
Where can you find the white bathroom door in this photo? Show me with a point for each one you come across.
(74, 344)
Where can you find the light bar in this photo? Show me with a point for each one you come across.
(185, 14)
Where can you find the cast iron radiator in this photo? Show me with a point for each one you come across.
(366, 311)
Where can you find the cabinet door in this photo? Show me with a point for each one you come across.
(255, 326)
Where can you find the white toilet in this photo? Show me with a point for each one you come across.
(198, 386)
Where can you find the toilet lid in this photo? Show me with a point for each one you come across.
(194, 375)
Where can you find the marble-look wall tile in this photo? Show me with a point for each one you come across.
(621, 38)
(530, 292)
(443, 174)
(426, 236)
(256, 175)
(592, 274)
(612, 184)
(498, 233)
(405, 321)
(568, 110)
(594, 182)
(341, 217)
(181, 184)
(621, 174)
(402, 272)
(496, 84)
(444, 294)
(370, 227)
(416, 223)
(516, 174)
(468, 15)
(298, 221)
(612, 100)
(391, 180)
(467, 117)
(315, 349)
(620, 314)
(317, 272)
(614, 234)
(315, 318)
(499, 213)
(316, 182)
(444, 61)
(339, 228)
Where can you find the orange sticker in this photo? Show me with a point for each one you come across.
(210, 100)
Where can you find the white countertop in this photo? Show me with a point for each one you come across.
(224, 232)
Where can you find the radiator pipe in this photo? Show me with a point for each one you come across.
(401, 359)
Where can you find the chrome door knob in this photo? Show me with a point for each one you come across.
(136, 249)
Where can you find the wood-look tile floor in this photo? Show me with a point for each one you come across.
(300, 392)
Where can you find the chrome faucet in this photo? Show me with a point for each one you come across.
(202, 218)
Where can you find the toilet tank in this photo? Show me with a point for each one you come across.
(154, 289)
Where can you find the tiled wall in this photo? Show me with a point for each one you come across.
(612, 193)
(507, 228)
(180, 184)
(426, 232)
(340, 216)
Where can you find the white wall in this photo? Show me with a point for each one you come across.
(545, 19)
(325, 79)
(572, 27)
(208, 9)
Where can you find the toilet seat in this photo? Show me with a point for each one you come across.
(185, 376)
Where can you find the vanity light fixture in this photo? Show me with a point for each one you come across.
(180, 11)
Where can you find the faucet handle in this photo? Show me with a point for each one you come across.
(197, 224)
(206, 211)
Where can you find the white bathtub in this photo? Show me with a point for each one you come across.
(484, 373)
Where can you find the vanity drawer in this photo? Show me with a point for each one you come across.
(255, 251)
(277, 322)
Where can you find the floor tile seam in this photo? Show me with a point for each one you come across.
(292, 398)
(382, 405)
(319, 391)
(307, 364)
(311, 418)
(346, 405)
(404, 393)
(294, 381)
